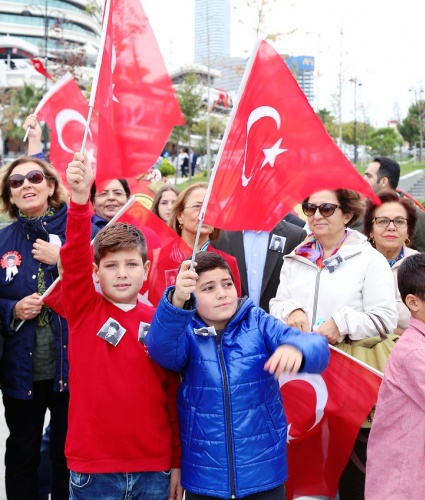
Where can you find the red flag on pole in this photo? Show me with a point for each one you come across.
(324, 414)
(39, 66)
(134, 94)
(275, 151)
(64, 108)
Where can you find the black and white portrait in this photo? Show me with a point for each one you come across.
(277, 243)
(112, 332)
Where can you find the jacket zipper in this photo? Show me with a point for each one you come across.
(228, 426)
(316, 296)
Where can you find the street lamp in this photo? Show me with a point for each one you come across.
(420, 107)
(28, 11)
(356, 83)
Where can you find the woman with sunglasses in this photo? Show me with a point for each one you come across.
(390, 228)
(34, 368)
(184, 221)
(337, 284)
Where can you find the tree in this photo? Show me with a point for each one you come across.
(328, 121)
(22, 101)
(217, 128)
(384, 141)
(190, 100)
(412, 127)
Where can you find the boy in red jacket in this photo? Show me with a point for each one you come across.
(122, 432)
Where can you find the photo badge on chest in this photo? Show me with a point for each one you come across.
(277, 243)
(334, 263)
(112, 332)
(143, 330)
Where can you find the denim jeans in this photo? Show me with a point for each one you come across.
(25, 420)
(120, 486)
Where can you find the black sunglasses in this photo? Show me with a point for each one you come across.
(325, 209)
(35, 177)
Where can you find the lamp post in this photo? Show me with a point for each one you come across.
(28, 12)
(356, 83)
(420, 107)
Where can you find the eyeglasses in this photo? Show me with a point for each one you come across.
(35, 177)
(325, 209)
(196, 207)
(398, 222)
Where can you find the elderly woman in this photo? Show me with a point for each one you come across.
(337, 284)
(108, 200)
(390, 228)
(163, 202)
(184, 221)
(34, 368)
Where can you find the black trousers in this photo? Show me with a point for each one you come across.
(25, 420)
(352, 482)
(274, 494)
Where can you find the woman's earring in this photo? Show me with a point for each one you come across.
(407, 242)
(372, 241)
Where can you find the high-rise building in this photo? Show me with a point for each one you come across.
(302, 67)
(212, 31)
(63, 27)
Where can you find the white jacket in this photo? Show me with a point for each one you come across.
(403, 311)
(362, 286)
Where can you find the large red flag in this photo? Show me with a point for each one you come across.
(135, 98)
(324, 414)
(275, 152)
(64, 108)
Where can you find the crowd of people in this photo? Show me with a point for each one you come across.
(149, 403)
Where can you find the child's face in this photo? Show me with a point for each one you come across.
(121, 275)
(217, 297)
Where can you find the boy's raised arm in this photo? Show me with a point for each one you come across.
(79, 175)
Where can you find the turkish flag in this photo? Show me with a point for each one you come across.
(39, 66)
(64, 108)
(166, 250)
(324, 414)
(135, 98)
(275, 151)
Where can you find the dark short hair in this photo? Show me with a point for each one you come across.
(115, 325)
(179, 206)
(390, 197)
(411, 276)
(59, 196)
(388, 168)
(207, 261)
(119, 236)
(158, 196)
(123, 182)
(350, 203)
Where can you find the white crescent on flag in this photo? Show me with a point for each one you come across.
(319, 386)
(269, 153)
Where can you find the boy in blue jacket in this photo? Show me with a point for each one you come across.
(230, 354)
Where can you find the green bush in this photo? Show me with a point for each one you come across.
(167, 168)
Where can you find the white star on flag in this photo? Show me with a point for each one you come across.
(271, 153)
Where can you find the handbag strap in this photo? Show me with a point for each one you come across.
(382, 333)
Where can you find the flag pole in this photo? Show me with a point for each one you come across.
(97, 71)
(358, 361)
(203, 210)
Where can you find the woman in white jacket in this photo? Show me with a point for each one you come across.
(336, 283)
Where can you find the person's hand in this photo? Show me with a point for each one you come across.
(298, 319)
(29, 307)
(329, 330)
(286, 358)
(185, 284)
(176, 489)
(45, 252)
(32, 123)
(79, 175)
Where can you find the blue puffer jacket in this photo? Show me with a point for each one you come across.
(232, 424)
(16, 364)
